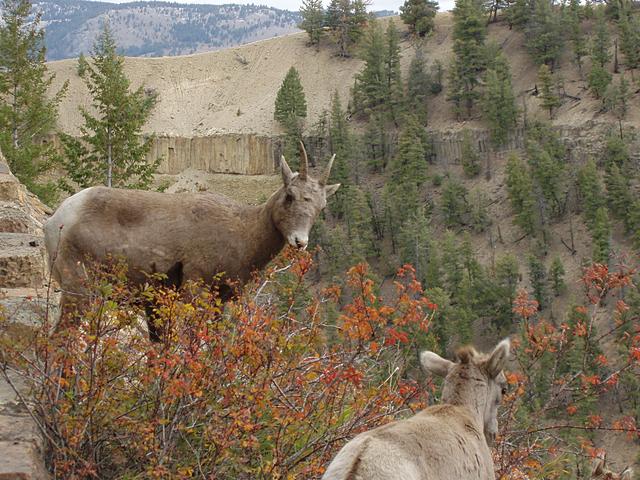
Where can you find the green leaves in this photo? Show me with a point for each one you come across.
(111, 149)
(27, 112)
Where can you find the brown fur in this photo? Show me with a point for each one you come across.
(599, 470)
(187, 236)
(443, 442)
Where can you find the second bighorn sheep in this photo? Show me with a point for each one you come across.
(187, 236)
(443, 442)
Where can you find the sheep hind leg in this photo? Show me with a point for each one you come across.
(174, 279)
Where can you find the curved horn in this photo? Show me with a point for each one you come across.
(327, 171)
(304, 162)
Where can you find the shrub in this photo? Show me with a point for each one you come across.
(256, 391)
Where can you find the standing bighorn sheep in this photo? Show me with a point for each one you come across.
(187, 236)
(600, 472)
(443, 442)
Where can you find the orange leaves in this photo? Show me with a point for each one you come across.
(523, 306)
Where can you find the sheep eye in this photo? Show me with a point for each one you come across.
(307, 199)
(504, 390)
(288, 198)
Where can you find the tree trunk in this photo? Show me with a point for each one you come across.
(109, 158)
(14, 126)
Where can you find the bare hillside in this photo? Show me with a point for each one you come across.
(233, 90)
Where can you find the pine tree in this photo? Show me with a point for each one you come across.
(409, 164)
(590, 191)
(498, 101)
(110, 150)
(556, 276)
(415, 241)
(550, 100)
(520, 190)
(341, 142)
(394, 89)
(576, 36)
(290, 100)
(601, 42)
(630, 40)
(370, 87)
(538, 279)
(419, 15)
(518, 13)
(616, 152)
(418, 88)
(544, 37)
(469, 33)
(619, 195)
(617, 98)
(601, 234)
(599, 80)
(454, 203)
(470, 157)
(27, 113)
(346, 20)
(312, 15)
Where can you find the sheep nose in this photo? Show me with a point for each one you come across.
(301, 244)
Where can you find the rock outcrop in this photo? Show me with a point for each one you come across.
(22, 278)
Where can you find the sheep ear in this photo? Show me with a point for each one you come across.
(597, 466)
(498, 359)
(287, 174)
(435, 364)
(331, 189)
(627, 474)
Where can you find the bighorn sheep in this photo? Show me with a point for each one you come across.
(187, 236)
(600, 472)
(443, 442)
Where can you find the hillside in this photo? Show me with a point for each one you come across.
(233, 90)
(158, 28)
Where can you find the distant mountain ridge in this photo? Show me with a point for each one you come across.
(158, 28)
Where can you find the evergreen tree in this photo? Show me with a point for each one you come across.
(470, 157)
(546, 157)
(469, 33)
(590, 191)
(27, 114)
(619, 195)
(601, 234)
(599, 80)
(376, 142)
(617, 98)
(409, 164)
(576, 36)
(370, 87)
(633, 220)
(341, 143)
(346, 20)
(556, 276)
(601, 42)
(538, 279)
(312, 15)
(110, 150)
(455, 206)
(290, 111)
(418, 88)
(518, 14)
(419, 15)
(290, 100)
(520, 190)
(630, 40)
(393, 88)
(498, 102)
(616, 152)
(544, 37)
(415, 242)
(436, 76)
(550, 100)
(507, 274)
